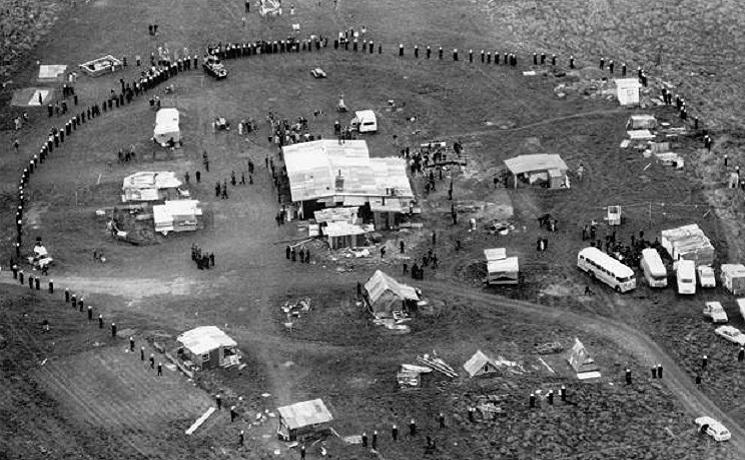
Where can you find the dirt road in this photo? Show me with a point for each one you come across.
(627, 337)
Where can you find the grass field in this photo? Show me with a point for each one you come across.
(92, 400)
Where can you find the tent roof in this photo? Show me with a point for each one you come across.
(345, 214)
(495, 254)
(477, 362)
(312, 168)
(379, 283)
(305, 413)
(535, 162)
(151, 179)
(204, 339)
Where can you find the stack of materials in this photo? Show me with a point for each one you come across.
(688, 242)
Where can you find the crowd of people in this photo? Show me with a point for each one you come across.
(204, 260)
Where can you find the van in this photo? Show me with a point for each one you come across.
(685, 275)
(364, 121)
(653, 268)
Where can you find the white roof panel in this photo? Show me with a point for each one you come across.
(204, 339)
(536, 162)
(305, 413)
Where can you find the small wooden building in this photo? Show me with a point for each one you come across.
(209, 347)
(303, 420)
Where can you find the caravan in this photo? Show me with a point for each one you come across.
(653, 268)
(364, 121)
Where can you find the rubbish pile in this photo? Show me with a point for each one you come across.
(436, 363)
(293, 310)
(396, 323)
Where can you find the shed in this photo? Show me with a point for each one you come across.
(480, 364)
(628, 91)
(303, 420)
(343, 234)
(209, 347)
(167, 127)
(641, 122)
(733, 278)
(501, 269)
(688, 242)
(176, 216)
(549, 169)
(384, 295)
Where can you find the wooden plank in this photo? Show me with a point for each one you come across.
(203, 418)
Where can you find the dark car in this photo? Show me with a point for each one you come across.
(212, 66)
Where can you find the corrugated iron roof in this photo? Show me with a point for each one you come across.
(313, 168)
(535, 162)
(204, 339)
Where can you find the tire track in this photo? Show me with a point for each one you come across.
(627, 337)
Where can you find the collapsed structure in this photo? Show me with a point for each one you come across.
(151, 186)
(688, 242)
(326, 173)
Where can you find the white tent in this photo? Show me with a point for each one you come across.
(501, 269)
(627, 90)
(480, 364)
(582, 362)
(167, 126)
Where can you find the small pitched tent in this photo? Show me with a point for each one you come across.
(303, 420)
(384, 295)
(480, 364)
(582, 362)
(627, 91)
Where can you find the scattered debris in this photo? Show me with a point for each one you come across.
(549, 348)
(437, 364)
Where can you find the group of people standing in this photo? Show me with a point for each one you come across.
(204, 260)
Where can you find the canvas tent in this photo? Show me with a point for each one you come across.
(209, 347)
(688, 242)
(480, 364)
(641, 122)
(733, 278)
(167, 127)
(546, 168)
(151, 186)
(384, 295)
(176, 216)
(303, 420)
(501, 269)
(627, 91)
(580, 360)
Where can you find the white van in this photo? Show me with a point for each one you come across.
(653, 268)
(685, 274)
(364, 121)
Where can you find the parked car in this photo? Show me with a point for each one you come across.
(318, 73)
(706, 278)
(715, 311)
(732, 334)
(713, 428)
(213, 67)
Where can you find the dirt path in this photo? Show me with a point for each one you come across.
(627, 337)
